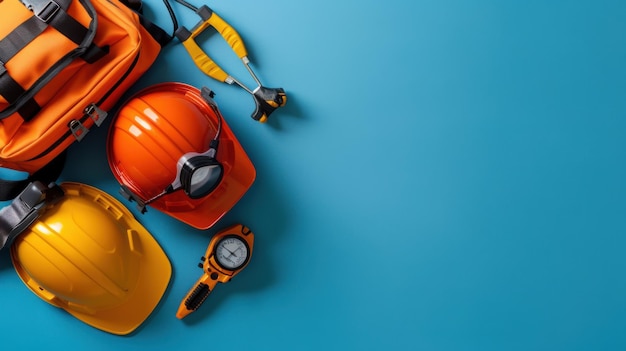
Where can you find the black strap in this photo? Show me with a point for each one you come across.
(94, 53)
(29, 109)
(9, 88)
(45, 12)
(69, 27)
(135, 5)
(9, 189)
(73, 30)
(20, 37)
(160, 35)
(25, 209)
(10, 45)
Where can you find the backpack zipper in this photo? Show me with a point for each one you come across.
(76, 127)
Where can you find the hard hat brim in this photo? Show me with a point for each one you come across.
(203, 213)
(153, 281)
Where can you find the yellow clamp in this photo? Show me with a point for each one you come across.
(200, 58)
(266, 99)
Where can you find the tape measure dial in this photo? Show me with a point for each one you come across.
(231, 252)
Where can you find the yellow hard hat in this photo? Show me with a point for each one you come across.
(88, 255)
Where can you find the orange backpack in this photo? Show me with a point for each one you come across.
(63, 63)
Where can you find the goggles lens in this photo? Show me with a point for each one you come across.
(204, 180)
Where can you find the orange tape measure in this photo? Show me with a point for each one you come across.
(228, 253)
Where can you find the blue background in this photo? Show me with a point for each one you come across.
(446, 175)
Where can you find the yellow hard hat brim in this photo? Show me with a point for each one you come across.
(153, 280)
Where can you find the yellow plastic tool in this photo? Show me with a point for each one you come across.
(228, 254)
(266, 99)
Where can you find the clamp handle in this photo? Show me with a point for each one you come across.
(266, 101)
(200, 58)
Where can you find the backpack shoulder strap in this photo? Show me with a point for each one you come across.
(160, 35)
(10, 189)
(25, 209)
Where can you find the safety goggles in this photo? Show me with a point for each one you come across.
(198, 174)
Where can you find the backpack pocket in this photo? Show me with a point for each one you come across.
(73, 99)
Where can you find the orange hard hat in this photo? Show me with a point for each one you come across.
(163, 149)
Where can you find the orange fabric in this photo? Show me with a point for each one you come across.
(77, 86)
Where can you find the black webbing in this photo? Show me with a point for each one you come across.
(69, 27)
(20, 37)
(160, 35)
(9, 189)
(12, 91)
(56, 16)
(10, 45)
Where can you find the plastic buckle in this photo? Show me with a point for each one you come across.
(36, 193)
(32, 195)
(208, 95)
(128, 195)
(48, 11)
(97, 114)
(78, 129)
